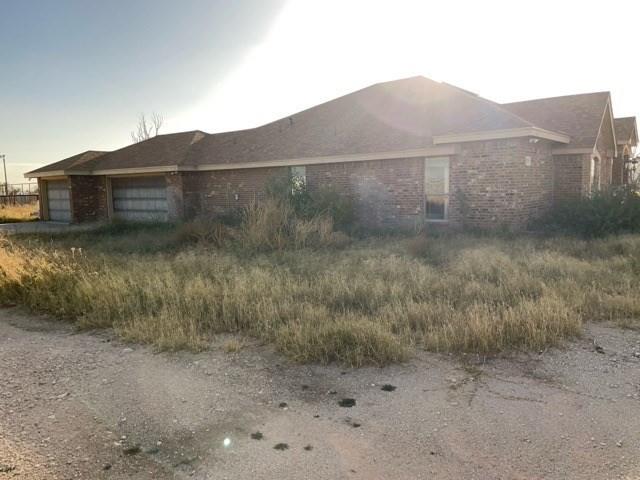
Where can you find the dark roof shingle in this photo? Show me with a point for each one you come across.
(398, 115)
(76, 162)
(579, 116)
(626, 130)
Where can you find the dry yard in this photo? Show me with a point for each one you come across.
(27, 212)
(73, 404)
(506, 357)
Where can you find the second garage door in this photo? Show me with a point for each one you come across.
(140, 198)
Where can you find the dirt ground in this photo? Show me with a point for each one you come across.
(84, 405)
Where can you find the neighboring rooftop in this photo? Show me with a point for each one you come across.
(626, 130)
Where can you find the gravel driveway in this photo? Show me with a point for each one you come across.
(84, 405)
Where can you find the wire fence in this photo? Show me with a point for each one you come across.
(25, 199)
(27, 188)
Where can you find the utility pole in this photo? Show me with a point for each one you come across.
(6, 182)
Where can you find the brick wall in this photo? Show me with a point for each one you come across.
(617, 167)
(225, 191)
(505, 183)
(88, 198)
(572, 176)
(385, 193)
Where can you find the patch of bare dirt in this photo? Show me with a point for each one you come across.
(84, 405)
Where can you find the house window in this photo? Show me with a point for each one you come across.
(436, 188)
(298, 177)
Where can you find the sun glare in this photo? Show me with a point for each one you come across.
(316, 51)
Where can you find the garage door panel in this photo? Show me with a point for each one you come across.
(142, 216)
(149, 193)
(139, 204)
(140, 198)
(59, 204)
(59, 201)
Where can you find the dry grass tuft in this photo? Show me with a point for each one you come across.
(19, 213)
(369, 303)
(233, 345)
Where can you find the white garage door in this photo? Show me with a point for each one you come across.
(58, 201)
(140, 198)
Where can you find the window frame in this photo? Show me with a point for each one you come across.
(446, 193)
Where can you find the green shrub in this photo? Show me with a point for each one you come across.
(328, 201)
(611, 211)
(308, 204)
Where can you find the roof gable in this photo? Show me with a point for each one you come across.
(579, 116)
(606, 142)
(626, 131)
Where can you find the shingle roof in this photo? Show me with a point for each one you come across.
(75, 162)
(626, 130)
(579, 116)
(398, 115)
(160, 151)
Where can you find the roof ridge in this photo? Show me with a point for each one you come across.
(184, 132)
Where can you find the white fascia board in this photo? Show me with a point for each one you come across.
(571, 151)
(135, 170)
(52, 173)
(501, 134)
(435, 151)
(421, 152)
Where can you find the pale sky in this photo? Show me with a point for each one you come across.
(75, 74)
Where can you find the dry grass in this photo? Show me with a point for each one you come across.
(18, 213)
(370, 303)
(233, 345)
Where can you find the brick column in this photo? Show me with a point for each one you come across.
(175, 196)
(88, 198)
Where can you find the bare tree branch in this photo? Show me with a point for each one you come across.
(157, 120)
(147, 130)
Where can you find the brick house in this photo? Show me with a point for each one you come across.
(407, 152)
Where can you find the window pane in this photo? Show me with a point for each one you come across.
(436, 188)
(298, 171)
(436, 176)
(436, 207)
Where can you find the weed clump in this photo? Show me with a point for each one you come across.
(370, 303)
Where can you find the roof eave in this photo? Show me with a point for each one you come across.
(53, 173)
(433, 151)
